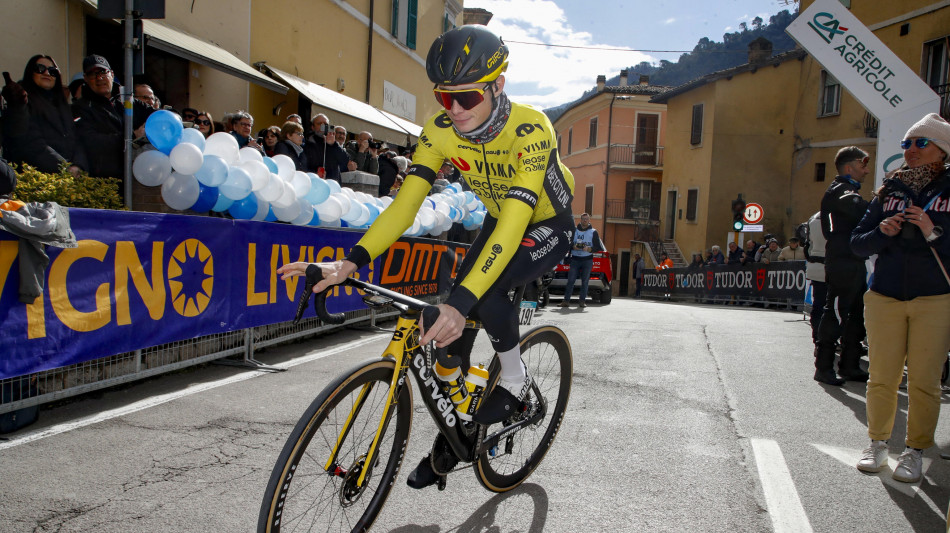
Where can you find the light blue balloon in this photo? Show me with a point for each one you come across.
(373, 212)
(222, 204)
(245, 208)
(238, 185)
(334, 186)
(319, 190)
(193, 136)
(213, 171)
(271, 165)
(163, 129)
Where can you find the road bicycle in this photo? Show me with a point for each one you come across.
(344, 454)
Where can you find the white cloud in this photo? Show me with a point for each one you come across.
(669, 21)
(548, 76)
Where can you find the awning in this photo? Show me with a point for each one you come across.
(199, 51)
(352, 114)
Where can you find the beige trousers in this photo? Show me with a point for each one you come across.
(916, 333)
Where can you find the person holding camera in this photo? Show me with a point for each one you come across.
(586, 242)
(907, 308)
(324, 156)
(364, 151)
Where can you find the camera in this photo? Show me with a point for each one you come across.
(260, 141)
(376, 145)
(325, 129)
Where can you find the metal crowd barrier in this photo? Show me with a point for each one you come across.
(235, 347)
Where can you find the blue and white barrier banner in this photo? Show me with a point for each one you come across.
(782, 280)
(141, 279)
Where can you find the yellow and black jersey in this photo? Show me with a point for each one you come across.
(517, 175)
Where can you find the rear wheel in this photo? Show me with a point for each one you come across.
(546, 353)
(304, 493)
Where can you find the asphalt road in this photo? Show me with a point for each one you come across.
(681, 418)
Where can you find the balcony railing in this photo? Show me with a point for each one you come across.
(636, 154)
(639, 210)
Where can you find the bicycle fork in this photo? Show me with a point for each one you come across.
(397, 349)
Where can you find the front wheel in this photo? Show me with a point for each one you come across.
(546, 353)
(314, 489)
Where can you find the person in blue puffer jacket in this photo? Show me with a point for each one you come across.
(907, 308)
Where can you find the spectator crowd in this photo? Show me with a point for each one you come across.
(79, 126)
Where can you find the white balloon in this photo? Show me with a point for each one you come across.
(350, 193)
(223, 145)
(260, 174)
(180, 191)
(344, 200)
(306, 213)
(443, 208)
(363, 217)
(386, 200)
(250, 154)
(286, 213)
(186, 158)
(301, 184)
(334, 186)
(285, 166)
(151, 168)
(427, 217)
(273, 189)
(263, 207)
(286, 197)
(329, 210)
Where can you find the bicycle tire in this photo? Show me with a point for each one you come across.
(546, 353)
(301, 495)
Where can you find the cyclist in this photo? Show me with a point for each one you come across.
(507, 153)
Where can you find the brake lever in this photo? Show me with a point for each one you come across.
(313, 276)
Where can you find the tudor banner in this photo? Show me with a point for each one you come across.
(142, 279)
(784, 280)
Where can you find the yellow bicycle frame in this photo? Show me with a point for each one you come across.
(405, 340)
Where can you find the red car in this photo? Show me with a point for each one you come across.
(601, 275)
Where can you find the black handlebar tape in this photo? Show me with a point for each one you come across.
(314, 276)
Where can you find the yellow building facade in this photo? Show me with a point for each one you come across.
(203, 54)
(770, 130)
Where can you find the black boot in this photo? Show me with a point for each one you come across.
(828, 377)
(442, 457)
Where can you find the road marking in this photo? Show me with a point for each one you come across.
(165, 398)
(781, 497)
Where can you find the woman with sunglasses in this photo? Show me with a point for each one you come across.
(204, 123)
(291, 144)
(507, 154)
(270, 137)
(46, 136)
(907, 308)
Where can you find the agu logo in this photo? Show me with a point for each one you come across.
(191, 277)
(826, 26)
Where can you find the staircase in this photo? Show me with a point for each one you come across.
(673, 250)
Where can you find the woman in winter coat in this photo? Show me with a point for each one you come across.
(44, 134)
(907, 309)
(291, 144)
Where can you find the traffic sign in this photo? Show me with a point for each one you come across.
(750, 228)
(753, 213)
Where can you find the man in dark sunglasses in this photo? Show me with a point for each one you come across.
(842, 208)
(507, 154)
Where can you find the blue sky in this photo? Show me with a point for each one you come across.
(546, 77)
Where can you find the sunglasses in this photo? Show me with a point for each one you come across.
(920, 142)
(40, 68)
(203, 122)
(466, 98)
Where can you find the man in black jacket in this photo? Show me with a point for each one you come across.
(323, 152)
(842, 208)
(100, 119)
